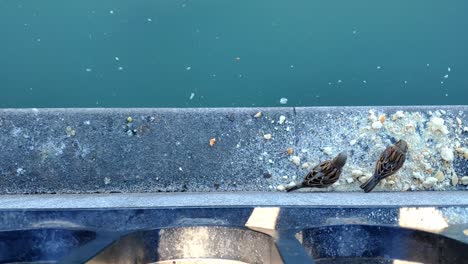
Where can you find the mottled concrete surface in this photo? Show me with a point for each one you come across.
(168, 150)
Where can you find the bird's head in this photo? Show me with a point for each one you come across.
(402, 145)
(340, 160)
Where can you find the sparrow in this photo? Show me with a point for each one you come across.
(323, 174)
(390, 161)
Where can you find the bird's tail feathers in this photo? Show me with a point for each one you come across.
(292, 188)
(370, 184)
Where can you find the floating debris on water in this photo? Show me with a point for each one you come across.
(449, 69)
(192, 95)
(446, 76)
(188, 68)
(283, 100)
(117, 58)
(88, 70)
(378, 67)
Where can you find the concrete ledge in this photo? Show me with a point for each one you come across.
(271, 199)
(168, 150)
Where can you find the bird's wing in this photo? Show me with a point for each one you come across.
(389, 163)
(321, 176)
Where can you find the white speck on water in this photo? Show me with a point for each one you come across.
(117, 58)
(364, 81)
(354, 32)
(88, 70)
(180, 168)
(446, 95)
(446, 76)
(283, 100)
(329, 83)
(270, 161)
(449, 69)
(38, 40)
(120, 68)
(149, 19)
(441, 82)
(291, 66)
(192, 95)
(107, 180)
(405, 82)
(87, 122)
(213, 75)
(427, 65)
(111, 12)
(188, 68)
(378, 67)
(340, 81)
(238, 58)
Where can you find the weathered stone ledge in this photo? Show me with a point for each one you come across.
(168, 150)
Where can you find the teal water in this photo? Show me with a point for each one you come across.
(156, 53)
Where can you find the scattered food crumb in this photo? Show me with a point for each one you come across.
(327, 150)
(129, 119)
(267, 136)
(281, 119)
(352, 142)
(464, 180)
(280, 187)
(447, 154)
(305, 165)
(363, 179)
(436, 124)
(429, 182)
(398, 115)
(258, 115)
(70, 131)
(382, 118)
(20, 171)
(107, 180)
(376, 125)
(356, 173)
(296, 160)
(440, 176)
(349, 180)
(212, 142)
(454, 179)
(290, 151)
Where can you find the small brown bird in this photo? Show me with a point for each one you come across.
(324, 174)
(390, 161)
